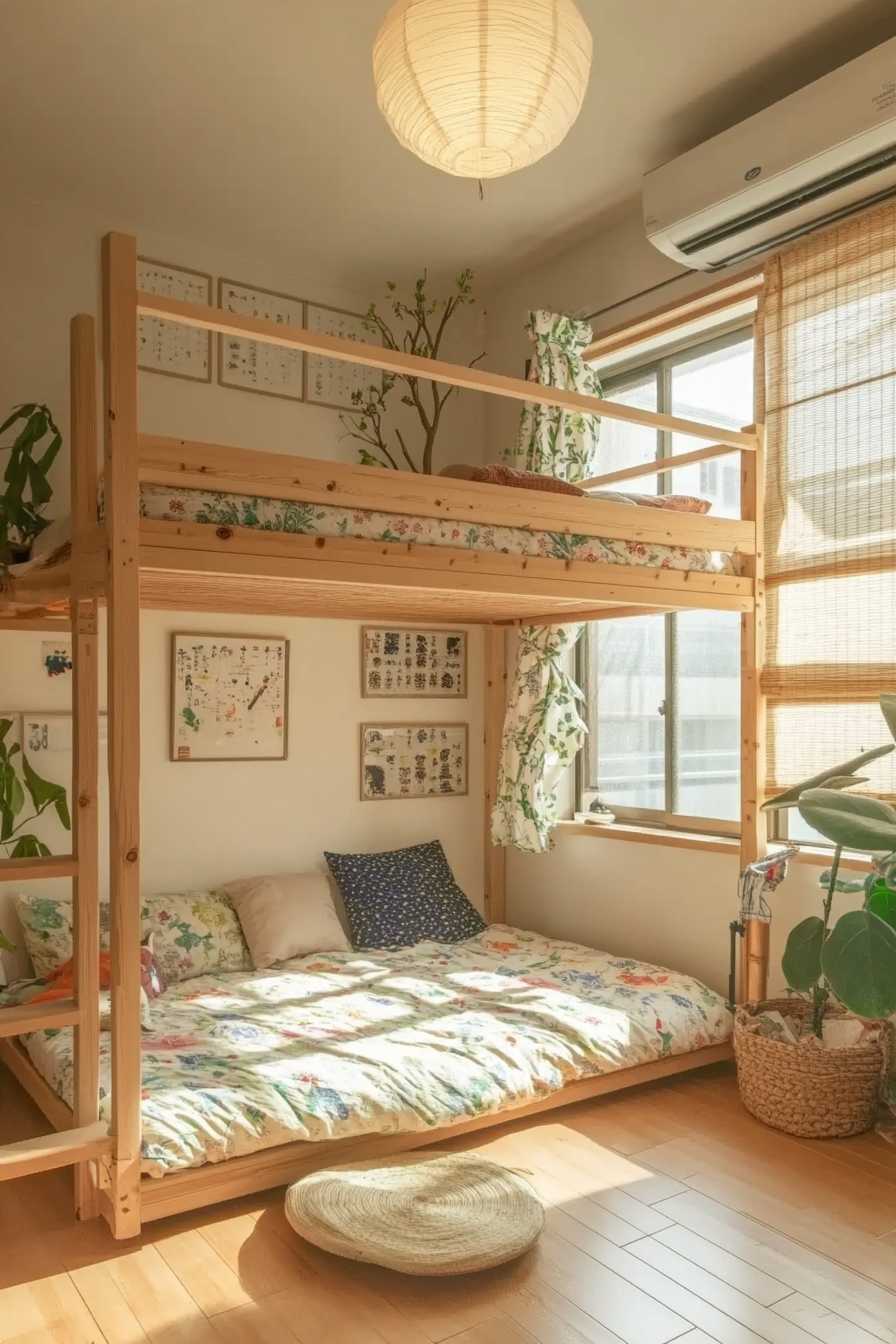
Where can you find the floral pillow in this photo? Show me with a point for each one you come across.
(194, 933)
(47, 930)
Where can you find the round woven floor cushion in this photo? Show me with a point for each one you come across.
(450, 1214)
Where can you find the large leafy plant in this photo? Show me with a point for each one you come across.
(424, 322)
(15, 792)
(27, 490)
(854, 959)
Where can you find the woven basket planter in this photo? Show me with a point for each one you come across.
(813, 1093)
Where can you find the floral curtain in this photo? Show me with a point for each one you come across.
(550, 440)
(543, 729)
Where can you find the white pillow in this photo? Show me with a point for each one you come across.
(286, 916)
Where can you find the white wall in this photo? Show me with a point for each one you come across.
(672, 906)
(204, 823)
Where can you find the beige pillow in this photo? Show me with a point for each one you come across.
(287, 916)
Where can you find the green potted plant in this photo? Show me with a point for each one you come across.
(27, 489)
(839, 970)
(15, 842)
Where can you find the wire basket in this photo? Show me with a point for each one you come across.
(814, 1093)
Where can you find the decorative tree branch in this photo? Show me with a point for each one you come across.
(424, 322)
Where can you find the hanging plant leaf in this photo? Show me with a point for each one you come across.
(853, 822)
(887, 704)
(20, 413)
(801, 962)
(845, 771)
(28, 490)
(859, 964)
(29, 847)
(841, 884)
(881, 901)
(43, 793)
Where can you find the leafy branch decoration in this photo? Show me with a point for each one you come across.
(424, 321)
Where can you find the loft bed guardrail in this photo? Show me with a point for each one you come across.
(127, 561)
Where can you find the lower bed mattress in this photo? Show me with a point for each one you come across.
(363, 1043)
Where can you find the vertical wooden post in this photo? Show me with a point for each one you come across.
(85, 763)
(123, 672)
(495, 703)
(754, 962)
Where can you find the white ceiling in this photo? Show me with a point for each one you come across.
(252, 124)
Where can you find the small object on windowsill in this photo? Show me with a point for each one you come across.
(591, 818)
(600, 814)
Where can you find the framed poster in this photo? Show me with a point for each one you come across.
(331, 382)
(170, 347)
(229, 697)
(410, 663)
(56, 657)
(257, 366)
(413, 760)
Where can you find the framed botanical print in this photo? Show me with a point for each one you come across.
(170, 347)
(229, 697)
(331, 382)
(414, 760)
(408, 663)
(258, 366)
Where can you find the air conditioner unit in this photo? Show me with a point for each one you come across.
(816, 157)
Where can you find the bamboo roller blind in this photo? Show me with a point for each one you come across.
(830, 543)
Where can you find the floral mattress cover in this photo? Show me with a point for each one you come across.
(343, 1044)
(178, 504)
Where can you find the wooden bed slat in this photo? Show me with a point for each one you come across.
(38, 1017)
(659, 464)
(187, 463)
(53, 1150)
(195, 547)
(433, 370)
(30, 870)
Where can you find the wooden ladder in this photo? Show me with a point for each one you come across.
(87, 1140)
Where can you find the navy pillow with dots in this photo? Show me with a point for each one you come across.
(401, 897)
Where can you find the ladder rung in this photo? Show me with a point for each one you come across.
(53, 1150)
(24, 870)
(38, 1017)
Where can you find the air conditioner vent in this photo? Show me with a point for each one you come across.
(812, 191)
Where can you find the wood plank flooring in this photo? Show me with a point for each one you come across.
(671, 1216)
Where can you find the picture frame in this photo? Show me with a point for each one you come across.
(229, 697)
(170, 348)
(330, 382)
(400, 761)
(256, 366)
(413, 663)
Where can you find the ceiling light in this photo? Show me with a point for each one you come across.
(480, 88)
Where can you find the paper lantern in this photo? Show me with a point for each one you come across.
(480, 88)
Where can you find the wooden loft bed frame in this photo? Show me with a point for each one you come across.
(127, 562)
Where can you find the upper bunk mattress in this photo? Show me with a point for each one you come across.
(180, 504)
(338, 1045)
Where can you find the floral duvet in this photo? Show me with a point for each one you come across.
(343, 1044)
(181, 504)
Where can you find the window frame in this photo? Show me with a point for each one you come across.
(661, 365)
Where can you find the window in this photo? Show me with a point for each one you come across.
(663, 692)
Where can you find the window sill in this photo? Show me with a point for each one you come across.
(710, 844)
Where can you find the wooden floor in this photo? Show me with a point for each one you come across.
(671, 1215)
